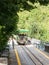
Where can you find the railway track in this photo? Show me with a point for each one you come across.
(34, 59)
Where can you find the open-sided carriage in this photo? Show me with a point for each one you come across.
(22, 37)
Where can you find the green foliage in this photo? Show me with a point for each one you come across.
(36, 20)
(8, 20)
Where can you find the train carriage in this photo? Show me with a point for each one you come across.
(22, 37)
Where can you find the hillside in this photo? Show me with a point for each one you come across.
(36, 20)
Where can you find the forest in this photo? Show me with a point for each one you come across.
(24, 14)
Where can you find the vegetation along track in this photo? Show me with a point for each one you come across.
(35, 60)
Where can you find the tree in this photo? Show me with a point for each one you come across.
(8, 20)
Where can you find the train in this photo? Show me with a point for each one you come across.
(22, 38)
